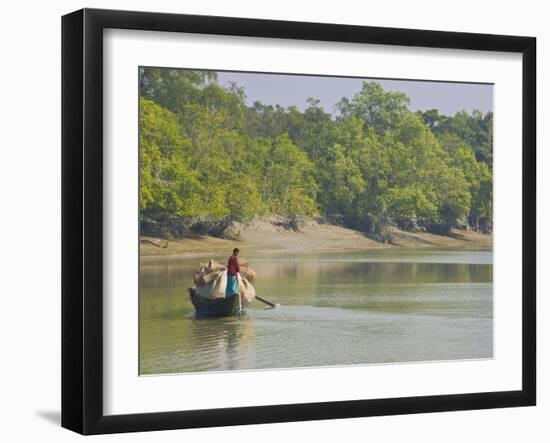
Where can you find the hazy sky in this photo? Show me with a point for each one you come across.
(288, 90)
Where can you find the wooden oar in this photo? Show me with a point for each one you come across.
(267, 302)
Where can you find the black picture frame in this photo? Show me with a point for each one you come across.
(82, 218)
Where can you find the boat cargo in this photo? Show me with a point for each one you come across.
(208, 296)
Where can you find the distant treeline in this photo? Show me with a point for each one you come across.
(373, 164)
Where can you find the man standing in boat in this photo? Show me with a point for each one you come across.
(232, 287)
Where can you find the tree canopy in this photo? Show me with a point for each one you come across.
(205, 153)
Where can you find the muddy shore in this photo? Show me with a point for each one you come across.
(314, 238)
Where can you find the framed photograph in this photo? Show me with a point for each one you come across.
(268, 221)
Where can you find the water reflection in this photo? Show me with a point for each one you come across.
(221, 343)
(369, 272)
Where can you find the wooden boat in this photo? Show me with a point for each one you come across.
(219, 307)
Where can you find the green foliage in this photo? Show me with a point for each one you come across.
(342, 183)
(379, 109)
(205, 153)
(167, 183)
(289, 185)
(474, 129)
(173, 88)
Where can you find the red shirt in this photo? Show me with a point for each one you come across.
(233, 265)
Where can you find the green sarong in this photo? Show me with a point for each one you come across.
(232, 287)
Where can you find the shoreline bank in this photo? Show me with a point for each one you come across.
(318, 238)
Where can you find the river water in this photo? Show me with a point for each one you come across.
(380, 306)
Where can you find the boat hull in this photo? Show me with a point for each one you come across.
(212, 308)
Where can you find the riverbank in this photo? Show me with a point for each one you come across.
(263, 238)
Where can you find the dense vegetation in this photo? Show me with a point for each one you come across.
(373, 164)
